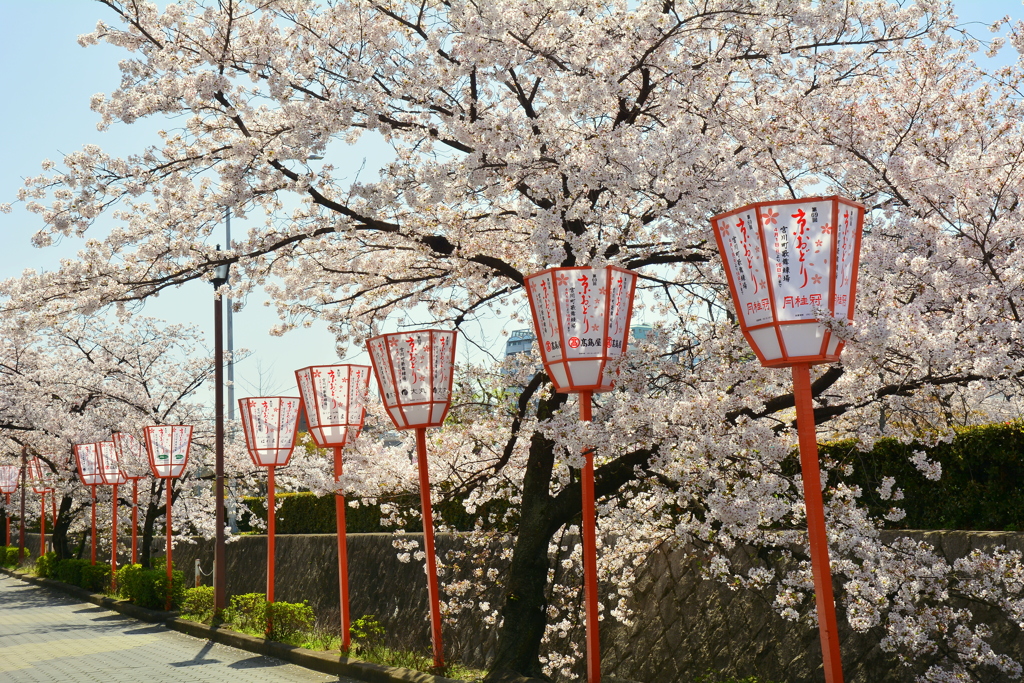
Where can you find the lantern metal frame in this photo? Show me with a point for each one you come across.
(37, 479)
(561, 353)
(281, 458)
(545, 291)
(8, 484)
(334, 434)
(439, 392)
(783, 341)
(774, 336)
(113, 476)
(170, 471)
(87, 459)
(132, 452)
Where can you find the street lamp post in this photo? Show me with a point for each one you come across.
(414, 375)
(167, 447)
(220, 278)
(582, 320)
(270, 424)
(334, 397)
(790, 263)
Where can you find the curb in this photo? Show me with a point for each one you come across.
(337, 665)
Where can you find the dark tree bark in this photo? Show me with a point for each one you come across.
(153, 512)
(59, 537)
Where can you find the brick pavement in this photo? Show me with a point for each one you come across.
(48, 637)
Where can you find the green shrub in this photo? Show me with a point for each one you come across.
(69, 571)
(248, 612)
(45, 563)
(982, 484)
(288, 619)
(13, 558)
(95, 578)
(198, 604)
(148, 587)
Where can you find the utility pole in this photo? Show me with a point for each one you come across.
(220, 278)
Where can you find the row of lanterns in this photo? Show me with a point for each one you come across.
(786, 262)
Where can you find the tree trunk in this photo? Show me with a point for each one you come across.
(524, 611)
(59, 537)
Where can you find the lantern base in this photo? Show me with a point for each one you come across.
(800, 360)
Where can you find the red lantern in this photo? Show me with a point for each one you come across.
(788, 264)
(270, 424)
(334, 397)
(414, 375)
(8, 485)
(39, 479)
(87, 456)
(132, 461)
(582, 320)
(167, 447)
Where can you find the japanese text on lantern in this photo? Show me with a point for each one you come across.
(442, 365)
(804, 237)
(750, 286)
(543, 296)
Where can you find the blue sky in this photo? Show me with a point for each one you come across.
(47, 81)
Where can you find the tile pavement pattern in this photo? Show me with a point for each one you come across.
(50, 637)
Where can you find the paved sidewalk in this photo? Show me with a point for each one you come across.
(48, 637)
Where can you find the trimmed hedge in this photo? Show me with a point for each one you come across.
(148, 587)
(9, 555)
(306, 513)
(980, 488)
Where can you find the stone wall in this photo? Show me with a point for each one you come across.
(683, 627)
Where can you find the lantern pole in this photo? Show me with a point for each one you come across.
(817, 536)
(271, 514)
(93, 535)
(42, 523)
(428, 542)
(590, 550)
(135, 519)
(170, 577)
(339, 508)
(113, 544)
(7, 518)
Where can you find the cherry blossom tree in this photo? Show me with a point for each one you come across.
(563, 132)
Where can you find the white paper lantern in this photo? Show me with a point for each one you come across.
(131, 456)
(87, 457)
(110, 472)
(414, 375)
(582, 320)
(334, 397)
(270, 424)
(167, 447)
(786, 261)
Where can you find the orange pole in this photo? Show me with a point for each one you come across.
(271, 514)
(7, 516)
(339, 508)
(817, 536)
(42, 524)
(170, 576)
(92, 537)
(113, 545)
(135, 520)
(428, 542)
(590, 552)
